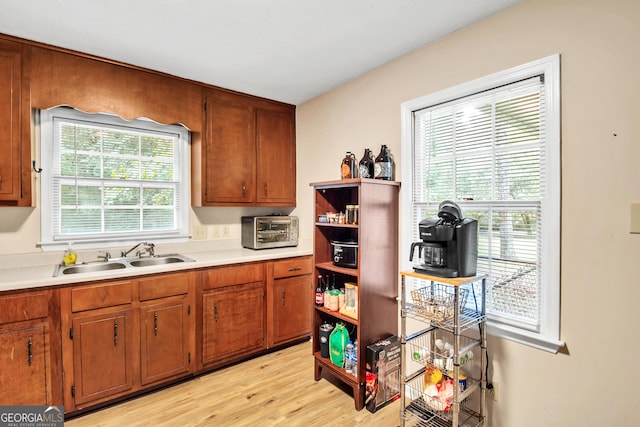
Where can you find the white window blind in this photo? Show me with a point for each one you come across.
(110, 179)
(486, 147)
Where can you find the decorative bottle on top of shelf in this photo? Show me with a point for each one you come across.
(366, 167)
(348, 167)
(384, 164)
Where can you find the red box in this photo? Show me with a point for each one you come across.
(383, 373)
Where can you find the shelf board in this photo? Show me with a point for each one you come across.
(330, 266)
(335, 370)
(351, 182)
(332, 225)
(453, 281)
(339, 315)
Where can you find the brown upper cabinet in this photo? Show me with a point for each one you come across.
(99, 86)
(248, 153)
(15, 144)
(243, 147)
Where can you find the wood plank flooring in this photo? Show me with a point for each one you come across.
(276, 389)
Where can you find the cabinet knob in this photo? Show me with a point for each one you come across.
(266, 190)
(115, 332)
(244, 189)
(295, 268)
(215, 311)
(282, 296)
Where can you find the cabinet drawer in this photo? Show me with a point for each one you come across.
(292, 267)
(165, 285)
(235, 275)
(24, 307)
(102, 295)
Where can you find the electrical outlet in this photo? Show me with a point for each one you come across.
(492, 390)
(214, 231)
(224, 231)
(200, 232)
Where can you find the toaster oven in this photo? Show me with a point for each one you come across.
(262, 232)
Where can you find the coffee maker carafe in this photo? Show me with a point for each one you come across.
(449, 245)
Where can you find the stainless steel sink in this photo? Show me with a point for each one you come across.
(120, 263)
(159, 260)
(89, 268)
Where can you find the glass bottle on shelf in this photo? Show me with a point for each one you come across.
(366, 165)
(319, 292)
(384, 164)
(348, 168)
(327, 292)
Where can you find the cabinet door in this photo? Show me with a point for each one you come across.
(276, 182)
(10, 93)
(229, 160)
(234, 319)
(103, 352)
(23, 364)
(291, 303)
(164, 337)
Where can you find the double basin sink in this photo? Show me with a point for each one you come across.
(119, 264)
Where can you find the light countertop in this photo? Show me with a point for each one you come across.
(35, 271)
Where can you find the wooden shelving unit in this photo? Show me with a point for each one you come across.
(377, 268)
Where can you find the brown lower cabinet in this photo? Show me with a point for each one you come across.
(291, 295)
(164, 351)
(91, 344)
(234, 322)
(125, 336)
(29, 349)
(233, 312)
(23, 357)
(103, 355)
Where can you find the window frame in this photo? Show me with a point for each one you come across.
(46, 118)
(547, 337)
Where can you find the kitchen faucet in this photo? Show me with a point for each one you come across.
(149, 247)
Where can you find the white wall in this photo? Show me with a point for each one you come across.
(592, 381)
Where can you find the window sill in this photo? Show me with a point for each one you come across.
(531, 339)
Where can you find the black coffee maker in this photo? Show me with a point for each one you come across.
(449, 246)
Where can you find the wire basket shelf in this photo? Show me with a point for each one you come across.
(437, 301)
(433, 409)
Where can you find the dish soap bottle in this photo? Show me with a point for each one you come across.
(70, 257)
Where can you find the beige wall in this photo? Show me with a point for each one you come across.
(592, 382)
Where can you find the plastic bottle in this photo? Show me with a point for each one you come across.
(355, 359)
(349, 353)
(366, 166)
(384, 164)
(70, 256)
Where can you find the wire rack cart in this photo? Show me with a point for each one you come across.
(444, 362)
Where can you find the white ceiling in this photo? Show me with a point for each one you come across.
(288, 50)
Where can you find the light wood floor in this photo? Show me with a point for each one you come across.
(276, 389)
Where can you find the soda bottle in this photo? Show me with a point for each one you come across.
(319, 292)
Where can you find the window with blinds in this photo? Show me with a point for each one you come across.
(110, 179)
(487, 146)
